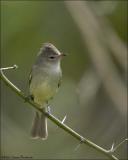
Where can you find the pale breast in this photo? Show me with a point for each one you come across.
(43, 88)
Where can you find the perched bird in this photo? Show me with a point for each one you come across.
(45, 79)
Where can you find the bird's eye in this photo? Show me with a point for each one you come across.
(51, 57)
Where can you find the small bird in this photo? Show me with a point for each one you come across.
(44, 81)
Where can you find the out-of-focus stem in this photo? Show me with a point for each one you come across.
(99, 55)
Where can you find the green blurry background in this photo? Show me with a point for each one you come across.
(25, 26)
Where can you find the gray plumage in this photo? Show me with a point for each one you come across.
(39, 127)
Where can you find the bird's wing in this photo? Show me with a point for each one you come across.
(59, 82)
(30, 78)
(29, 82)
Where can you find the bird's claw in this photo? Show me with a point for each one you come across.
(28, 98)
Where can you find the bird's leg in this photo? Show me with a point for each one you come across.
(29, 97)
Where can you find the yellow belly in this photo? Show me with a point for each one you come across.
(43, 92)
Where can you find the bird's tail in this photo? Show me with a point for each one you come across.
(39, 127)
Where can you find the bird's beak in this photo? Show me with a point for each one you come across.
(62, 55)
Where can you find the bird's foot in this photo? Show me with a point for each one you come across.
(28, 98)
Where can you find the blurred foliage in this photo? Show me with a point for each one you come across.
(25, 25)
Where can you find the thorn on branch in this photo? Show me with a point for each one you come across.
(64, 118)
(49, 109)
(82, 140)
(15, 66)
(113, 149)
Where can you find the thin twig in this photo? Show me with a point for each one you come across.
(7, 68)
(53, 118)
